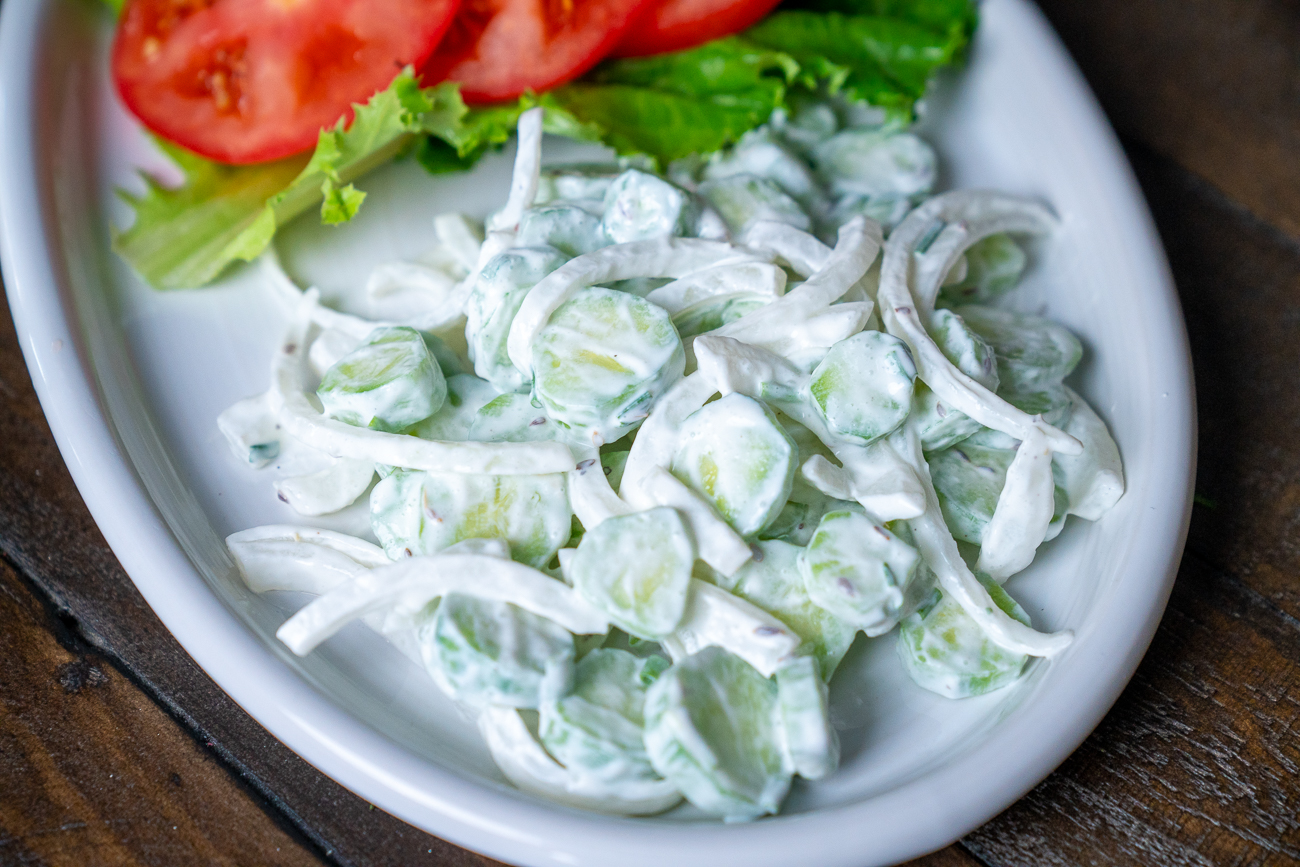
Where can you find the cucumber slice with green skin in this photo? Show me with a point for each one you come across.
(743, 199)
(526, 764)
(810, 740)
(887, 210)
(639, 206)
(760, 153)
(466, 394)
(858, 571)
(569, 228)
(492, 305)
(734, 453)
(942, 426)
(447, 360)
(597, 730)
(713, 729)
(388, 383)
(993, 267)
(513, 418)
(795, 523)
(613, 462)
(586, 183)
(876, 164)
(637, 569)
(758, 280)
(1034, 355)
(483, 651)
(863, 388)
(969, 478)
(947, 652)
(413, 512)
(252, 430)
(602, 361)
(773, 582)
(715, 313)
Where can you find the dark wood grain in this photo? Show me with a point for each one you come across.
(95, 773)
(47, 533)
(1197, 764)
(1215, 86)
(1211, 84)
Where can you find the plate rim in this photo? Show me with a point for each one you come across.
(499, 823)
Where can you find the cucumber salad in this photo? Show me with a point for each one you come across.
(645, 452)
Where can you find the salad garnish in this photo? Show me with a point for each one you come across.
(876, 57)
(687, 452)
(646, 450)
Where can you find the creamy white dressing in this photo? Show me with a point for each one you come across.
(716, 618)
(765, 424)
(527, 764)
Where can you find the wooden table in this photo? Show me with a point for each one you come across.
(116, 749)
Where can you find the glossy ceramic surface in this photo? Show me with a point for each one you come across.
(132, 381)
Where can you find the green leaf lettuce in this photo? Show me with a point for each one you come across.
(665, 107)
(184, 237)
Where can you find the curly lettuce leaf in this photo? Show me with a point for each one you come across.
(955, 17)
(673, 105)
(666, 107)
(185, 236)
(882, 60)
(487, 128)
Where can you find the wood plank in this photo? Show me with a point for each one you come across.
(46, 531)
(93, 772)
(953, 856)
(1199, 761)
(1210, 83)
(1239, 280)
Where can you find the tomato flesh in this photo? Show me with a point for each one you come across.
(672, 25)
(498, 49)
(244, 81)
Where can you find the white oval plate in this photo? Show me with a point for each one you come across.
(132, 381)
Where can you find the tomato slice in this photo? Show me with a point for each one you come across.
(498, 49)
(671, 25)
(243, 81)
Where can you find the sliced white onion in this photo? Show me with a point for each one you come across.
(939, 550)
(304, 422)
(859, 242)
(590, 496)
(719, 545)
(757, 279)
(407, 586)
(801, 251)
(1094, 480)
(412, 293)
(874, 476)
(305, 559)
(903, 318)
(527, 173)
(656, 440)
(661, 257)
(329, 490)
(716, 618)
(1023, 513)
(461, 236)
(526, 764)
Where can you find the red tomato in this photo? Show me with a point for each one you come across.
(242, 81)
(497, 49)
(671, 25)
